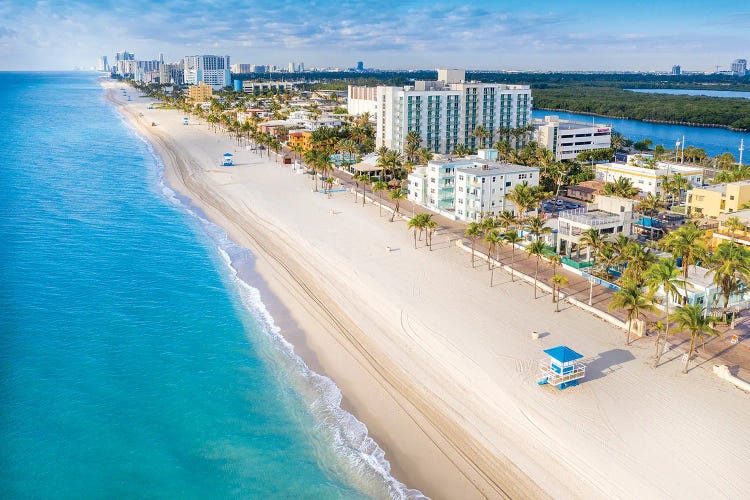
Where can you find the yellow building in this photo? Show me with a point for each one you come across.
(301, 138)
(200, 92)
(733, 226)
(712, 201)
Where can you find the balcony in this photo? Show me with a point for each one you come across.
(592, 218)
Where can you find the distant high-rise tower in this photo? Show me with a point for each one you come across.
(209, 69)
(739, 67)
(125, 56)
(676, 70)
(301, 67)
(102, 65)
(292, 68)
(161, 57)
(360, 66)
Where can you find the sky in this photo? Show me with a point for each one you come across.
(535, 35)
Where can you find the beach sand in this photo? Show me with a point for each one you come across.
(441, 367)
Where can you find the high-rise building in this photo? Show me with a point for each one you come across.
(301, 67)
(146, 71)
(242, 68)
(102, 64)
(360, 66)
(171, 73)
(209, 69)
(124, 56)
(447, 112)
(361, 99)
(676, 70)
(739, 67)
(292, 68)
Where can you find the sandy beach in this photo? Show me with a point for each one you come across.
(441, 367)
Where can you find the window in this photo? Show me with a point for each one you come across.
(507, 184)
(432, 180)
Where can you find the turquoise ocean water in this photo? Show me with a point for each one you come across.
(133, 361)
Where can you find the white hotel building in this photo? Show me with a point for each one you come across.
(211, 70)
(566, 139)
(445, 112)
(468, 188)
(647, 179)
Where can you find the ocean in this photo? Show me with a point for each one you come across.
(135, 362)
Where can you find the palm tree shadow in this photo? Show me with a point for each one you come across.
(607, 363)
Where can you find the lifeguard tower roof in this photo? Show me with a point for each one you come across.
(563, 354)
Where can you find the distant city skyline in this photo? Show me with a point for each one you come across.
(543, 35)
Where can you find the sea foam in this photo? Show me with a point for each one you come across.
(349, 436)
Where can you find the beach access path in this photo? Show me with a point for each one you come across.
(441, 367)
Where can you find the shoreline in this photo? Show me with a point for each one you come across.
(437, 365)
(297, 296)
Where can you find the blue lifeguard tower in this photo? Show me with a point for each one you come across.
(228, 160)
(561, 368)
(185, 120)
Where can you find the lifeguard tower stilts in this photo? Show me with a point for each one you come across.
(185, 121)
(228, 160)
(560, 368)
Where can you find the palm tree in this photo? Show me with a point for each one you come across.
(364, 179)
(558, 281)
(686, 243)
(495, 240)
(663, 274)
(391, 160)
(535, 248)
(473, 231)
(506, 219)
(523, 197)
(317, 160)
(690, 319)
(536, 227)
(397, 195)
(431, 226)
(513, 238)
(416, 223)
(734, 224)
(680, 184)
(413, 139)
(488, 224)
(592, 240)
(638, 258)
(622, 187)
(650, 204)
(631, 298)
(424, 155)
(460, 150)
(481, 133)
(379, 187)
(554, 261)
(329, 182)
(730, 265)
